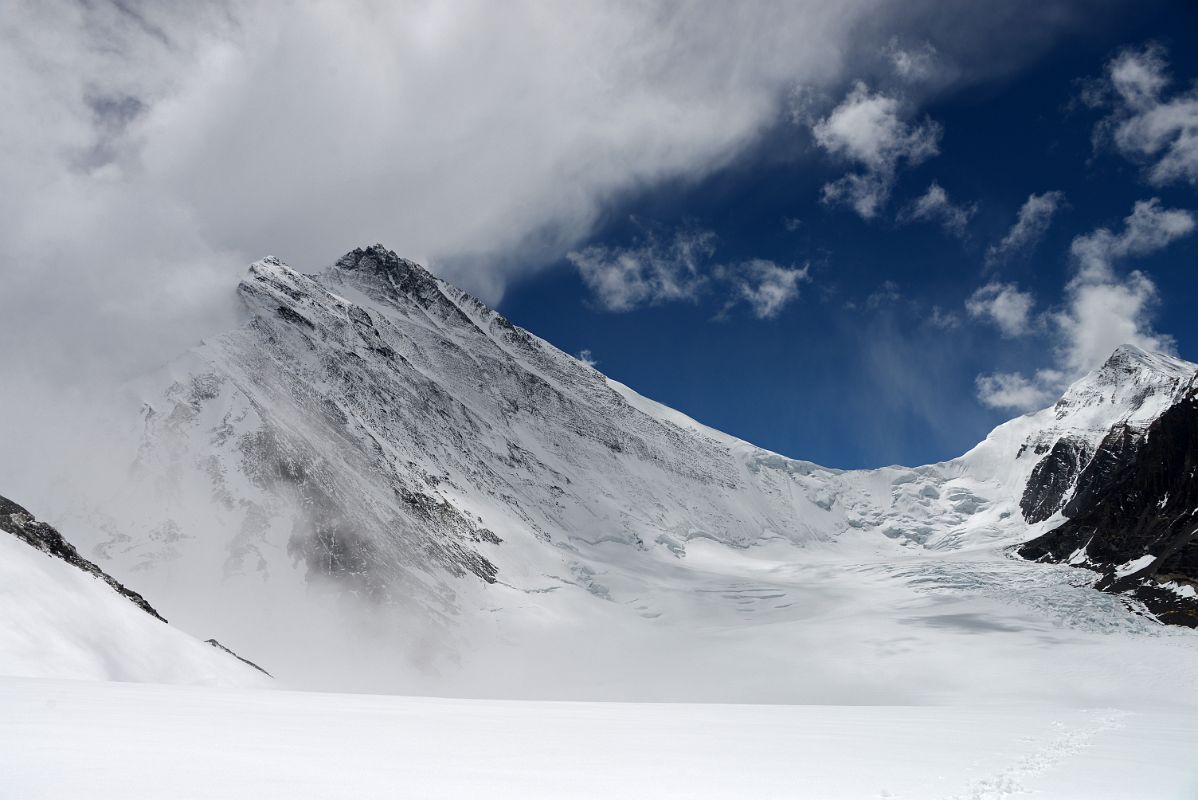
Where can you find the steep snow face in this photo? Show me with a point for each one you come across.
(374, 438)
(61, 617)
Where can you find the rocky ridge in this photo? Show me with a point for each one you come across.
(20, 523)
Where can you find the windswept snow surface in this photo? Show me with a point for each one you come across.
(98, 740)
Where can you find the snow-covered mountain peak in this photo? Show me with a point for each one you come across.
(1133, 383)
(378, 263)
(384, 276)
(1130, 357)
(1039, 457)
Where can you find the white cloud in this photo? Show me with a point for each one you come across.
(944, 320)
(888, 293)
(1147, 229)
(1102, 309)
(1138, 76)
(1157, 131)
(915, 64)
(935, 206)
(679, 267)
(1005, 305)
(588, 358)
(1011, 391)
(1105, 309)
(1101, 315)
(866, 193)
(768, 287)
(868, 130)
(652, 272)
(1035, 217)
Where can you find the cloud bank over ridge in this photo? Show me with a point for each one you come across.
(150, 150)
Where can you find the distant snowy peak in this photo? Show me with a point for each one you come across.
(1123, 397)
(1038, 457)
(378, 267)
(1135, 384)
(383, 277)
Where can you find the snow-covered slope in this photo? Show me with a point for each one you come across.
(61, 617)
(375, 444)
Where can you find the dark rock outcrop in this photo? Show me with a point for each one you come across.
(19, 522)
(1053, 478)
(1114, 453)
(243, 660)
(1134, 516)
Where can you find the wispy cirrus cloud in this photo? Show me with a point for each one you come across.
(679, 267)
(656, 270)
(768, 287)
(871, 131)
(1011, 391)
(936, 207)
(915, 64)
(1005, 305)
(1032, 223)
(1148, 228)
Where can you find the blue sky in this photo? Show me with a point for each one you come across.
(877, 359)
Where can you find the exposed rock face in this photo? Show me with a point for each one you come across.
(20, 523)
(1053, 478)
(1135, 515)
(243, 660)
(1116, 451)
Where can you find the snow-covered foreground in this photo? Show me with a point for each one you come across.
(98, 740)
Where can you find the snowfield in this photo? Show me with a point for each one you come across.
(106, 740)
